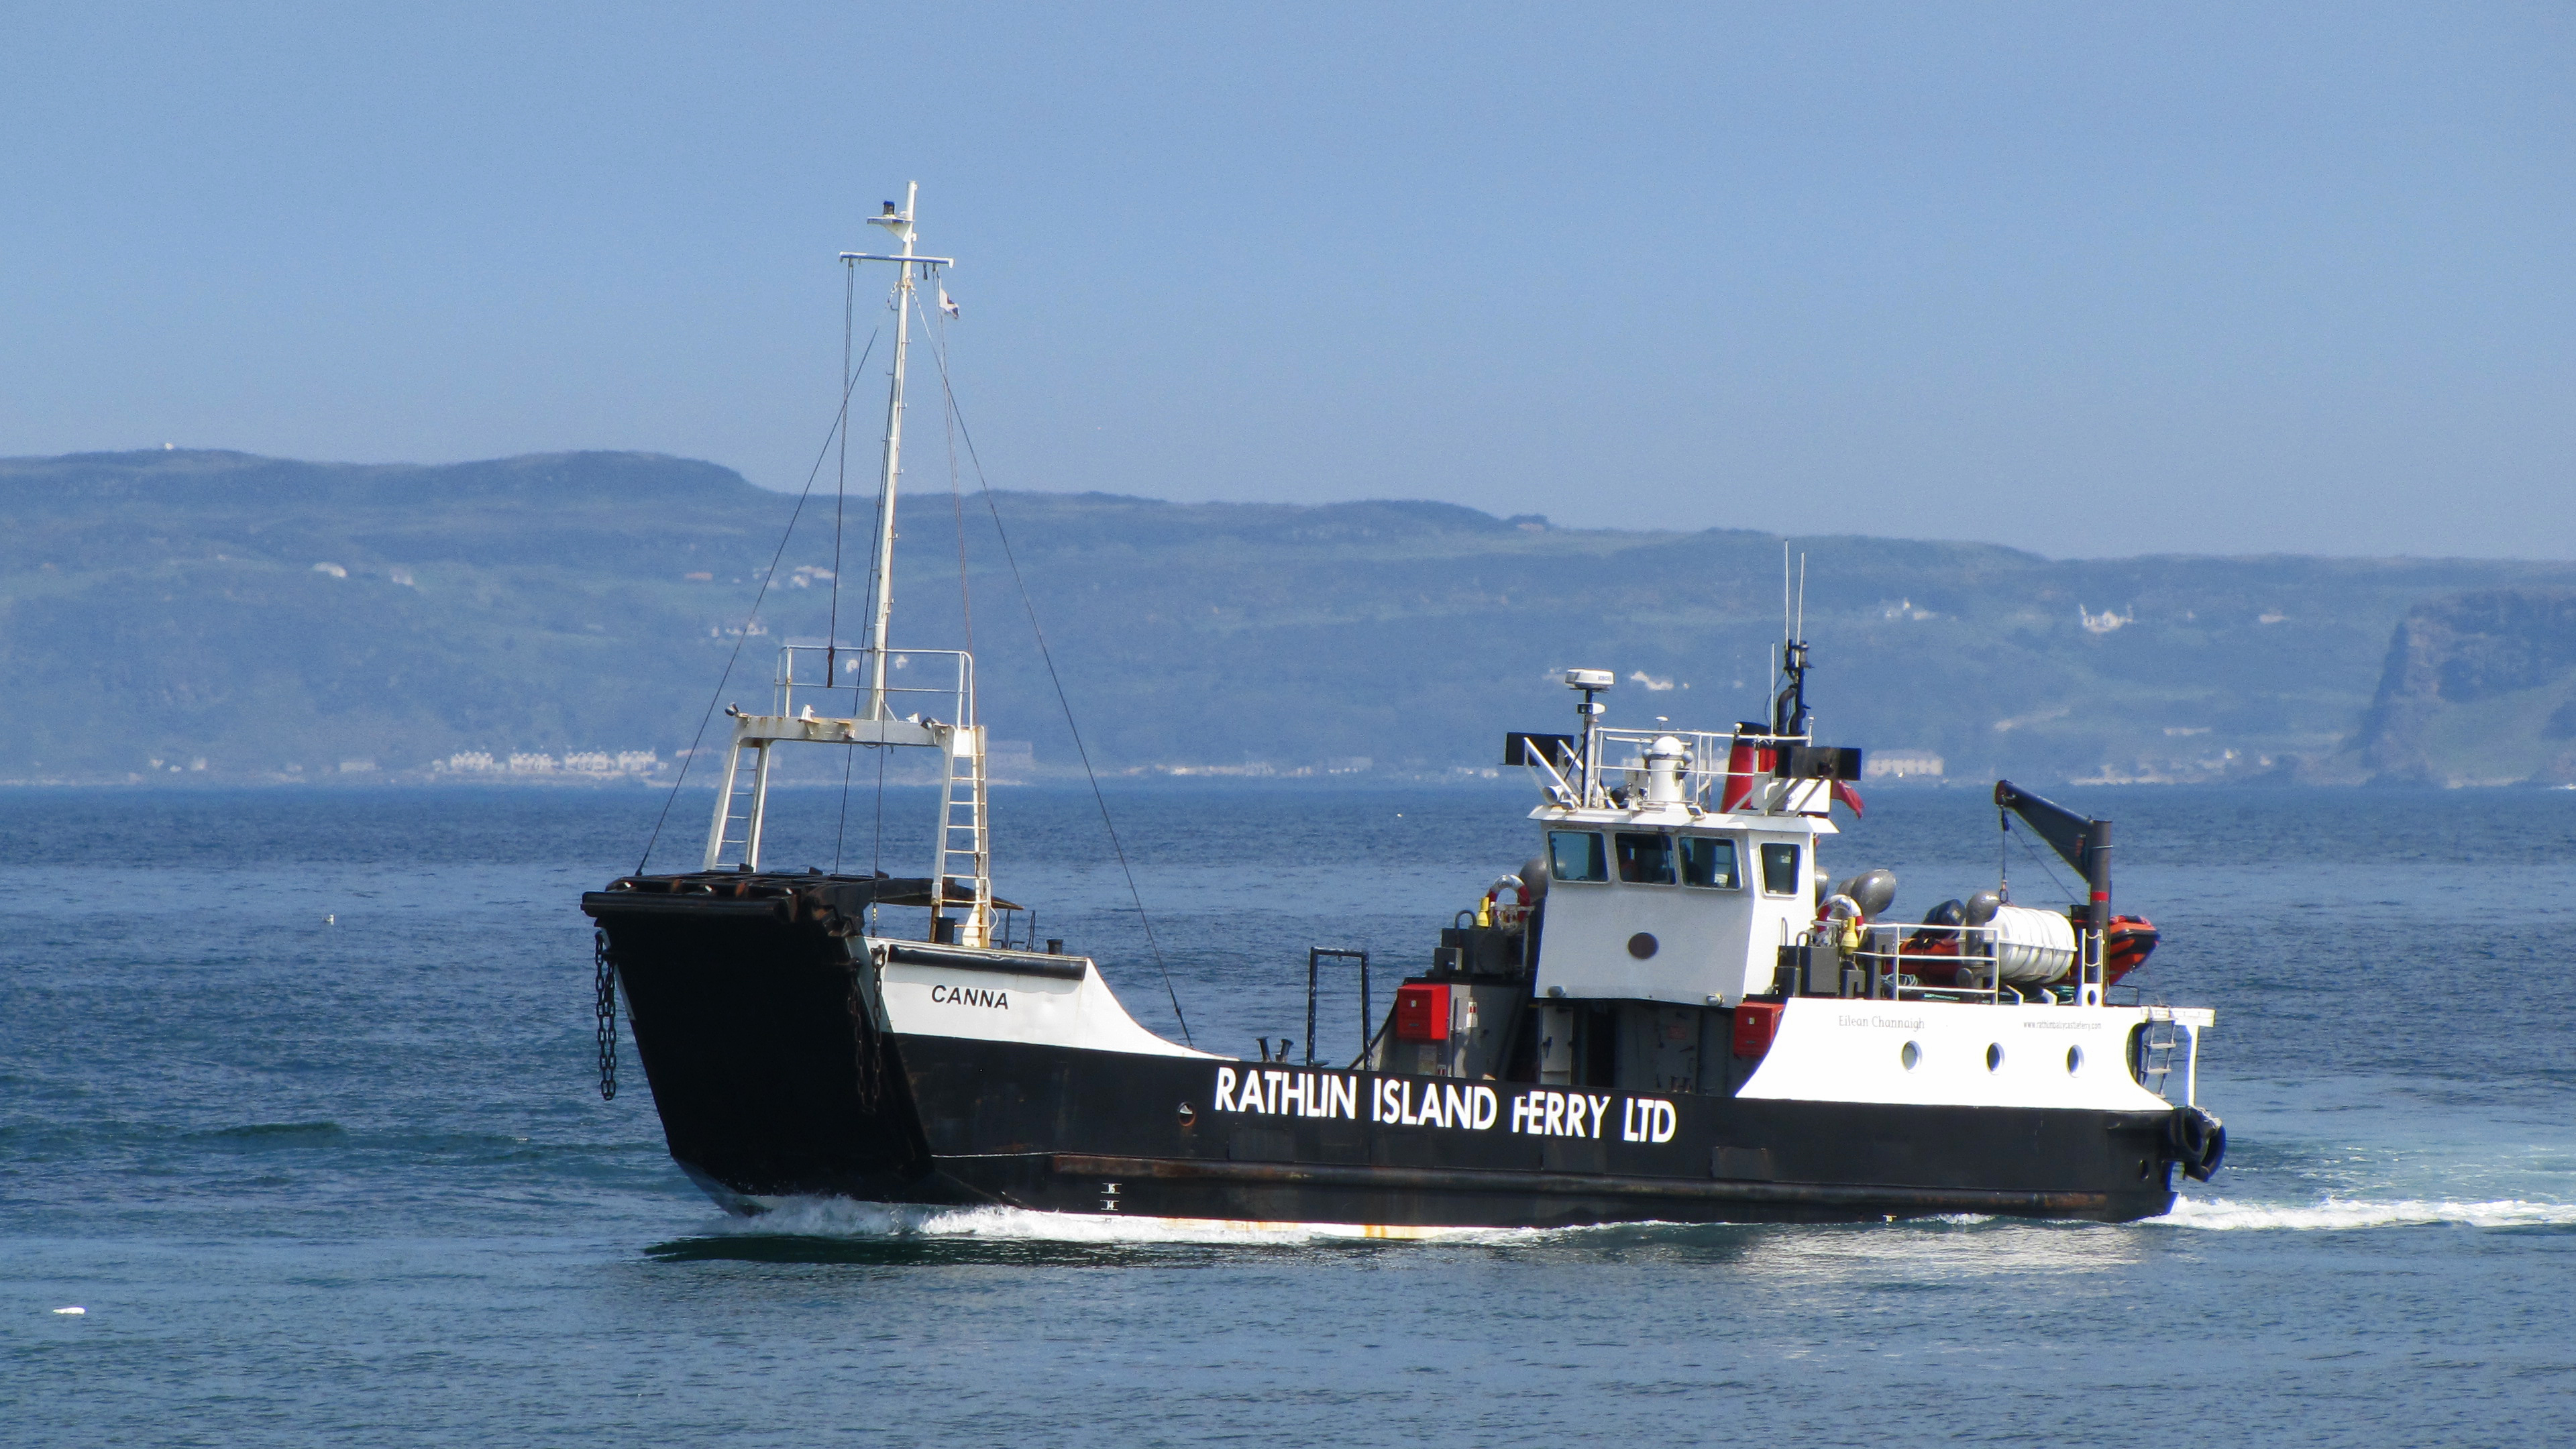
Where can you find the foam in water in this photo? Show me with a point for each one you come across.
(2339, 1215)
(842, 1218)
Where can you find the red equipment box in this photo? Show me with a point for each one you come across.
(1755, 1021)
(1422, 1012)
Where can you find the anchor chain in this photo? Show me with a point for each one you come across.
(604, 982)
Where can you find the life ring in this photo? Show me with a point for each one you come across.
(1838, 924)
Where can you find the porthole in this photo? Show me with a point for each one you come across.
(1995, 1057)
(1641, 945)
(2074, 1060)
(1189, 1115)
(1911, 1056)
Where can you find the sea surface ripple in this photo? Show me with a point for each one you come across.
(298, 1104)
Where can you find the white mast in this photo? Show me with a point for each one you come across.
(900, 224)
(961, 852)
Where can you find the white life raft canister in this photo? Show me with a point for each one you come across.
(2032, 946)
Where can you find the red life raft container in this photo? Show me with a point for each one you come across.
(2126, 946)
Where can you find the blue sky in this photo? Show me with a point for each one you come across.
(2082, 279)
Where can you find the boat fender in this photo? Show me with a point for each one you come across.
(2208, 1164)
(2197, 1141)
(1875, 890)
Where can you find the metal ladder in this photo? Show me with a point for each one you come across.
(738, 826)
(964, 846)
(2156, 1048)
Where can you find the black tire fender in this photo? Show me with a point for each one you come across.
(2196, 1140)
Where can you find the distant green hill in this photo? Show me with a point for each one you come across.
(276, 619)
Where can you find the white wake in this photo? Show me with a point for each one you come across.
(2338, 1215)
(842, 1218)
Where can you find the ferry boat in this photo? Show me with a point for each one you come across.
(1664, 1015)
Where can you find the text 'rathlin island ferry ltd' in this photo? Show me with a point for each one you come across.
(1663, 1016)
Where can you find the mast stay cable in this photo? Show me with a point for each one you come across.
(967, 434)
(839, 422)
(956, 495)
(840, 498)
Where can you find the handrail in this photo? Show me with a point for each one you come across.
(1314, 960)
(1705, 767)
(822, 662)
(1883, 956)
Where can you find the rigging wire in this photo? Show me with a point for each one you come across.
(840, 495)
(956, 495)
(841, 483)
(839, 422)
(878, 559)
(876, 860)
(983, 481)
(841, 830)
(2033, 852)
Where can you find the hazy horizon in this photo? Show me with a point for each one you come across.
(866, 488)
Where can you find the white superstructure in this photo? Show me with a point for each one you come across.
(1679, 869)
(1678, 863)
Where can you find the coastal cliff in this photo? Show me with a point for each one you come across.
(2479, 688)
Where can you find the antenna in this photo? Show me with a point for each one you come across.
(1592, 682)
(1789, 718)
(1788, 624)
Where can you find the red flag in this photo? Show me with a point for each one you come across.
(1849, 796)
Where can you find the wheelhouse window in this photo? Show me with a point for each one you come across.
(1577, 855)
(1709, 860)
(1645, 857)
(1780, 869)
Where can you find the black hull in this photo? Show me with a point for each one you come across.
(1100, 1118)
(774, 1079)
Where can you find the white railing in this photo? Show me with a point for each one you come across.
(838, 681)
(1701, 773)
(1895, 960)
(1620, 755)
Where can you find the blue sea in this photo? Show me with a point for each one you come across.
(298, 1101)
